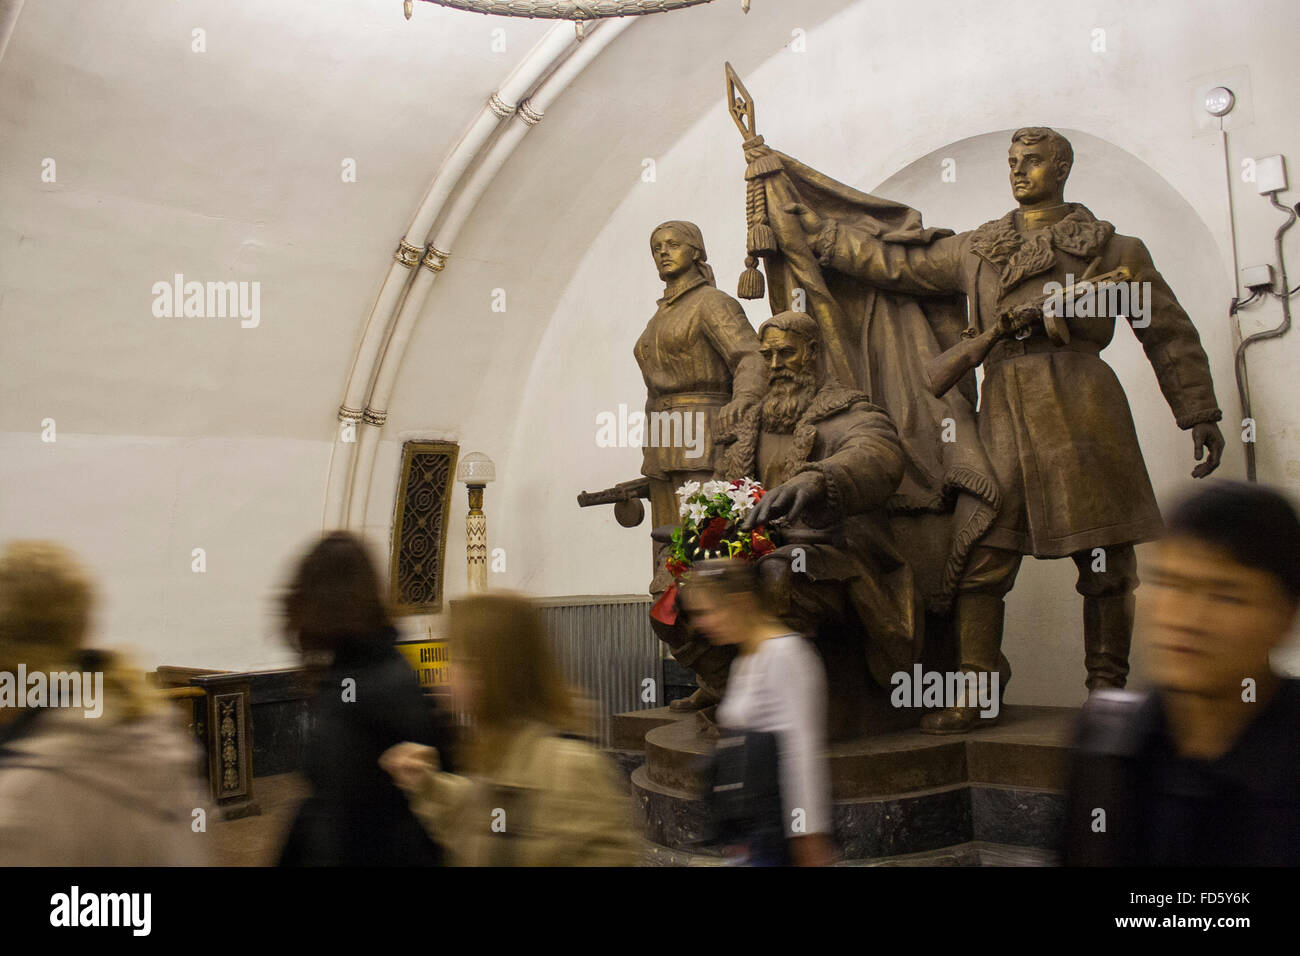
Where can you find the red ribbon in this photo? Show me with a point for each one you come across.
(665, 609)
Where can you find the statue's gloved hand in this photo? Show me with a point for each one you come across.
(784, 503)
(1207, 441)
(730, 415)
(1018, 319)
(809, 221)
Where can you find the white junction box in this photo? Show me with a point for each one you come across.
(1257, 277)
(1270, 175)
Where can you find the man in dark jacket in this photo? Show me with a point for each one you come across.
(1204, 769)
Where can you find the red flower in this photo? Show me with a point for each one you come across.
(761, 543)
(677, 568)
(759, 493)
(712, 534)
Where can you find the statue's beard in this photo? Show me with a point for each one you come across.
(786, 400)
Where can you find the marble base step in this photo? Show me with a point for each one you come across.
(628, 730)
(895, 794)
(974, 853)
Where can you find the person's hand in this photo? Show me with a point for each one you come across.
(407, 763)
(813, 849)
(731, 414)
(786, 501)
(1207, 441)
(809, 221)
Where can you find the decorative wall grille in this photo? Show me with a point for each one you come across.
(420, 526)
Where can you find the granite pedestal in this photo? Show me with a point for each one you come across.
(897, 794)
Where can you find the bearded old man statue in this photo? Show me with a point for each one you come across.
(830, 459)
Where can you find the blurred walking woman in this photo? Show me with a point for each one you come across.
(773, 809)
(368, 699)
(534, 794)
(119, 790)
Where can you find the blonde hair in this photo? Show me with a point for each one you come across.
(501, 638)
(45, 600)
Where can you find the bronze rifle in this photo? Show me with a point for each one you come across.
(946, 369)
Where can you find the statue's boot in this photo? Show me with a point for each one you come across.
(702, 697)
(711, 664)
(1107, 634)
(977, 620)
(707, 718)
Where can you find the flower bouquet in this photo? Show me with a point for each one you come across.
(712, 513)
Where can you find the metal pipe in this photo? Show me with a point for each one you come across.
(467, 197)
(1243, 384)
(498, 109)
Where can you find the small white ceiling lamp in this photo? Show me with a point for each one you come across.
(1220, 101)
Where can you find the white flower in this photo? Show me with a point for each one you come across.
(712, 488)
(742, 500)
(684, 493)
(696, 511)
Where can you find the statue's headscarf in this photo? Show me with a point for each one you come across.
(694, 239)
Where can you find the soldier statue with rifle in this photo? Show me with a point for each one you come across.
(1053, 417)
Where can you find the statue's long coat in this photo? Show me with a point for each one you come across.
(1053, 420)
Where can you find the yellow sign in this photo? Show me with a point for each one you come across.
(431, 661)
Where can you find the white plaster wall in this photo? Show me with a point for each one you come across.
(180, 433)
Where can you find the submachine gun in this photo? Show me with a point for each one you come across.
(625, 497)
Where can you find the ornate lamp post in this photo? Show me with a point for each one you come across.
(476, 470)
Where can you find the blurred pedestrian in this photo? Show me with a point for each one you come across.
(1205, 767)
(535, 794)
(95, 768)
(772, 721)
(367, 699)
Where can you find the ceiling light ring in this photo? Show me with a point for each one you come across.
(568, 9)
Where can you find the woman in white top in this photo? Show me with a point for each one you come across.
(777, 685)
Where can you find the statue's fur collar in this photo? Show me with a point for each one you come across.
(741, 459)
(1003, 245)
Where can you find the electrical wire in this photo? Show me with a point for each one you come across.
(1237, 306)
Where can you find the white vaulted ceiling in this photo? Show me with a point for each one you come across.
(226, 165)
